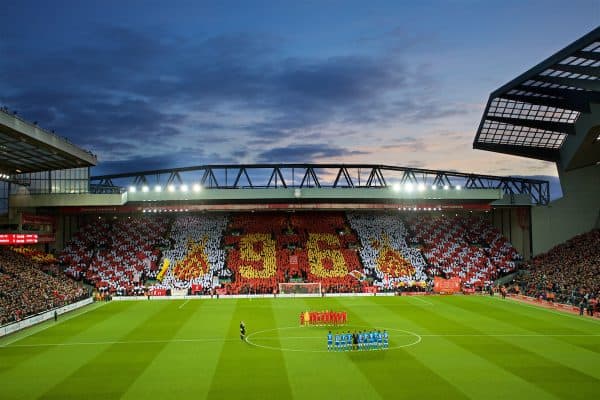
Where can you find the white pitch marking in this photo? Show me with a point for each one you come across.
(564, 314)
(184, 303)
(43, 327)
(422, 300)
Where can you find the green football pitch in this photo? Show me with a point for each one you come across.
(449, 347)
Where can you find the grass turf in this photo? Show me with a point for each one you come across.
(441, 347)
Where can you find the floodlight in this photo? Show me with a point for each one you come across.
(446, 187)
(132, 189)
(145, 189)
(458, 187)
(421, 187)
(408, 187)
(396, 187)
(196, 188)
(171, 188)
(184, 188)
(157, 188)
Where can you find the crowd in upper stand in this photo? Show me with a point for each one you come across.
(254, 252)
(568, 273)
(195, 255)
(268, 248)
(117, 254)
(464, 247)
(384, 251)
(28, 287)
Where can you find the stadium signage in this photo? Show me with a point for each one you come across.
(8, 239)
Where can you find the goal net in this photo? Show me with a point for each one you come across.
(300, 288)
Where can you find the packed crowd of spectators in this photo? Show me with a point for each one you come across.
(25, 289)
(384, 251)
(568, 273)
(116, 254)
(195, 256)
(267, 248)
(462, 246)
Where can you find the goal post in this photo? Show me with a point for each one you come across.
(300, 288)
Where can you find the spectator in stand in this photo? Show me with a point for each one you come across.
(568, 272)
(25, 289)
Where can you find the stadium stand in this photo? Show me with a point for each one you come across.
(25, 289)
(268, 248)
(385, 252)
(196, 255)
(464, 247)
(117, 255)
(568, 273)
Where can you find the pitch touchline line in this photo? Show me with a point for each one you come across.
(184, 303)
(565, 314)
(48, 323)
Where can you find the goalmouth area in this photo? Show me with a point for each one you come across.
(452, 347)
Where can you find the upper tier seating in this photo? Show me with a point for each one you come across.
(116, 254)
(385, 253)
(464, 247)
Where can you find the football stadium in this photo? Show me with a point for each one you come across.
(311, 280)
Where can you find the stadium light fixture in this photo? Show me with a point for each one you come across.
(458, 187)
(433, 187)
(196, 188)
(171, 188)
(184, 188)
(396, 187)
(132, 189)
(421, 187)
(446, 187)
(157, 188)
(408, 187)
(145, 189)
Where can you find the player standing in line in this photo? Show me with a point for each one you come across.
(379, 340)
(385, 339)
(329, 341)
(337, 342)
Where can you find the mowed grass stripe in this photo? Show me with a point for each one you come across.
(388, 370)
(323, 375)
(11, 357)
(531, 319)
(51, 364)
(520, 361)
(245, 371)
(560, 349)
(184, 368)
(474, 375)
(110, 372)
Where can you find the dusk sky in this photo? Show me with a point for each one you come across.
(147, 84)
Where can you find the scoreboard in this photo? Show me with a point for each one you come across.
(18, 238)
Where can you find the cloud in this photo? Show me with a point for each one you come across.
(132, 95)
(304, 153)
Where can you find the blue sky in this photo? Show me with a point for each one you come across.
(147, 84)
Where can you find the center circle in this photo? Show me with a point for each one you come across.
(314, 339)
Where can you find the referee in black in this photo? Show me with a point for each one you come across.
(242, 331)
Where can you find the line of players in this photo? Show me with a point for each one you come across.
(323, 318)
(362, 340)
